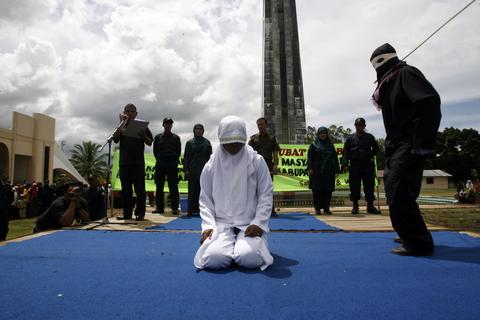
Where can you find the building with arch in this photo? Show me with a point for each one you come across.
(28, 151)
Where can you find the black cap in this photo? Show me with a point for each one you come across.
(91, 177)
(360, 121)
(167, 119)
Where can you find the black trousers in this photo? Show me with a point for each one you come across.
(362, 172)
(168, 170)
(321, 199)
(403, 179)
(133, 175)
(193, 196)
(4, 219)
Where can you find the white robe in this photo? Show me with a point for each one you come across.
(236, 192)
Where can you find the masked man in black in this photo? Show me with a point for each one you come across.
(411, 114)
(359, 151)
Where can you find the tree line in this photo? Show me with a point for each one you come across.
(457, 151)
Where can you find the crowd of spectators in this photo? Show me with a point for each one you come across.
(31, 199)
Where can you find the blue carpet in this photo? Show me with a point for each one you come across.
(285, 221)
(131, 275)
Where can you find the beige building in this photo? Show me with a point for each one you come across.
(432, 179)
(28, 151)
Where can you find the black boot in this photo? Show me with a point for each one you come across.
(355, 208)
(371, 208)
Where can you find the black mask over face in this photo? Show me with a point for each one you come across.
(387, 66)
(387, 52)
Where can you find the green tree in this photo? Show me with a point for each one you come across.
(311, 133)
(60, 178)
(457, 152)
(338, 134)
(86, 158)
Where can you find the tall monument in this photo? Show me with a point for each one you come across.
(283, 102)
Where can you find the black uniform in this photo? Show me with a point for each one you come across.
(50, 219)
(132, 172)
(197, 153)
(166, 149)
(95, 196)
(6, 198)
(411, 115)
(358, 154)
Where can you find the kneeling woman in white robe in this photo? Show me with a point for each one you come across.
(235, 203)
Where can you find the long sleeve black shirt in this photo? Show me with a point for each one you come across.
(411, 111)
(167, 146)
(359, 148)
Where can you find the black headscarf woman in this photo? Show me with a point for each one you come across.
(197, 152)
(322, 167)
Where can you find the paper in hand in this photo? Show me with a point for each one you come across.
(135, 129)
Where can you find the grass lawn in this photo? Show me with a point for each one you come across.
(20, 227)
(461, 218)
(450, 193)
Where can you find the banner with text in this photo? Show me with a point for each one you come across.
(292, 171)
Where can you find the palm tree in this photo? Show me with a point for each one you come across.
(86, 158)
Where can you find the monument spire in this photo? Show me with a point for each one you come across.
(283, 101)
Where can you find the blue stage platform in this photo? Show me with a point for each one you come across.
(150, 275)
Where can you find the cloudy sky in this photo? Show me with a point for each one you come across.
(81, 61)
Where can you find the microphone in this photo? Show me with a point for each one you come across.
(123, 122)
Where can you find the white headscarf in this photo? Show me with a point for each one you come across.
(232, 129)
(230, 172)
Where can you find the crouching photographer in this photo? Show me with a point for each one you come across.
(64, 210)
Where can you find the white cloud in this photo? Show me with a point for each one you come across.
(151, 97)
(82, 61)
